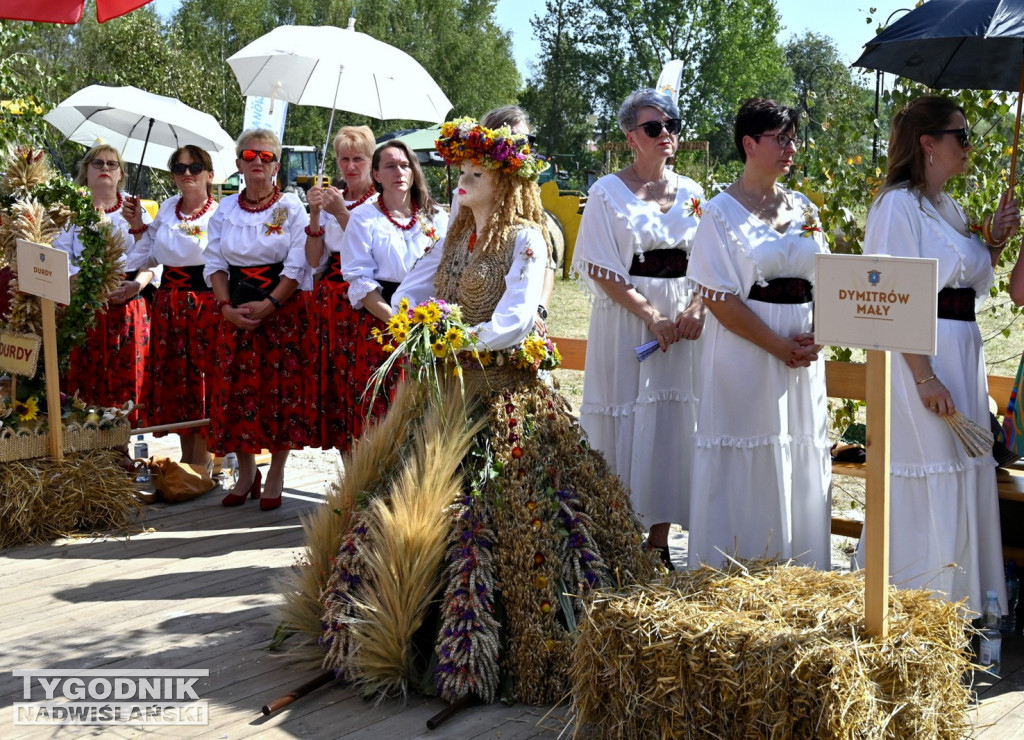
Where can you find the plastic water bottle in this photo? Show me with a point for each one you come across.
(141, 454)
(991, 642)
(1012, 596)
(229, 467)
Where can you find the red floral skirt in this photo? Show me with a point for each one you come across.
(111, 367)
(184, 331)
(264, 381)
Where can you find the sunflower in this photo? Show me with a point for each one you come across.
(419, 315)
(432, 312)
(454, 337)
(27, 410)
(439, 348)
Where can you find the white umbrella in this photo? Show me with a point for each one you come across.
(146, 128)
(339, 68)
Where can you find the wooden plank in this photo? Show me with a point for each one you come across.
(846, 380)
(876, 509)
(573, 351)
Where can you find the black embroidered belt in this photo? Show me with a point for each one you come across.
(188, 277)
(783, 290)
(333, 272)
(250, 283)
(957, 304)
(660, 263)
(387, 289)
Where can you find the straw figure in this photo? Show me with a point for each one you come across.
(472, 518)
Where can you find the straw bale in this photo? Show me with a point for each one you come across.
(43, 499)
(768, 651)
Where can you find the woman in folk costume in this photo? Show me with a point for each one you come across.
(184, 320)
(470, 510)
(334, 319)
(256, 265)
(761, 467)
(111, 366)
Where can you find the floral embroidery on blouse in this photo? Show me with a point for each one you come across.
(528, 256)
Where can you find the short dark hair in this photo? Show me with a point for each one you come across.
(758, 115)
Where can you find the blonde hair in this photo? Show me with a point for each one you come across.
(356, 139)
(83, 165)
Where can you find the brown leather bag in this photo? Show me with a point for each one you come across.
(176, 482)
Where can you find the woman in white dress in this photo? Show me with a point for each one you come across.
(761, 469)
(334, 319)
(381, 244)
(631, 252)
(944, 508)
(184, 323)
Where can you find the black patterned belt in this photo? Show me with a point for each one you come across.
(957, 304)
(187, 277)
(333, 272)
(660, 263)
(783, 290)
(249, 283)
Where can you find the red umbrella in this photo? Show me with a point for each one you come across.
(65, 11)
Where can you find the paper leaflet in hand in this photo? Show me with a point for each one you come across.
(646, 350)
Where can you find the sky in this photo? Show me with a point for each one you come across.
(843, 20)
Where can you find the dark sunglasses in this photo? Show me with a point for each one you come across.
(653, 128)
(110, 164)
(963, 134)
(248, 155)
(193, 169)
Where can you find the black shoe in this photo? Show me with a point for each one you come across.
(665, 559)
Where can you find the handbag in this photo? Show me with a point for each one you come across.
(177, 482)
(1013, 422)
(247, 293)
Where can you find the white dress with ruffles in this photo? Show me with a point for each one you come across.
(762, 470)
(640, 415)
(944, 506)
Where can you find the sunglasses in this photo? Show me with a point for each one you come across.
(963, 134)
(193, 169)
(783, 140)
(108, 164)
(653, 129)
(248, 155)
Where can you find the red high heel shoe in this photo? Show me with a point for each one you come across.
(237, 499)
(268, 504)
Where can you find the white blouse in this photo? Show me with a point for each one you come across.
(172, 241)
(238, 237)
(374, 249)
(512, 319)
(69, 241)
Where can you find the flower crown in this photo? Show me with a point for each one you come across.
(498, 149)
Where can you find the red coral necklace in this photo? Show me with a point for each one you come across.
(243, 201)
(366, 196)
(116, 206)
(196, 214)
(402, 227)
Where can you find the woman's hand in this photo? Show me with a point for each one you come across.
(1006, 219)
(936, 397)
(241, 316)
(334, 202)
(664, 330)
(127, 290)
(315, 201)
(690, 322)
(131, 210)
(259, 310)
(802, 351)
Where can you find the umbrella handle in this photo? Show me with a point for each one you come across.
(138, 172)
(330, 130)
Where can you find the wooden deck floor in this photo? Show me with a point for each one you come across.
(191, 587)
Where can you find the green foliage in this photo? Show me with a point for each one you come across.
(21, 102)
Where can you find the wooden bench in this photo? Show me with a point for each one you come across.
(847, 380)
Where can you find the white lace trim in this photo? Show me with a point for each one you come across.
(942, 468)
(765, 440)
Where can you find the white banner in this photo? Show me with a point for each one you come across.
(264, 113)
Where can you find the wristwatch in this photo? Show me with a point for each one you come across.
(542, 312)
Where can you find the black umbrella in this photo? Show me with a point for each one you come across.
(956, 44)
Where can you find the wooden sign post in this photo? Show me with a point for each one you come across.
(881, 304)
(44, 271)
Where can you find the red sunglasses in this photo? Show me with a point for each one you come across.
(248, 155)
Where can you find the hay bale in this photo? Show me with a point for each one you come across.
(770, 651)
(43, 499)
